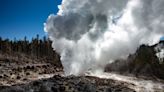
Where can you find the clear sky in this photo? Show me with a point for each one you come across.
(19, 18)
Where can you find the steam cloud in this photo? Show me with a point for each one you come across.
(88, 34)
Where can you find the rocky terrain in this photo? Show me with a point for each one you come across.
(70, 84)
(142, 63)
(21, 73)
(27, 70)
(20, 68)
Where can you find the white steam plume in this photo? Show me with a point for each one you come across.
(88, 34)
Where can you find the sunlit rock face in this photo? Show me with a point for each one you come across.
(90, 34)
(142, 63)
(160, 52)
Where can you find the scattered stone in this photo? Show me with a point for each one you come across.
(72, 84)
(1, 76)
(18, 77)
(27, 73)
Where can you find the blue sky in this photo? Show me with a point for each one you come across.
(19, 18)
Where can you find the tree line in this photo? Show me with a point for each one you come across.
(37, 47)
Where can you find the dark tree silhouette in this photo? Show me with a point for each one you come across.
(37, 48)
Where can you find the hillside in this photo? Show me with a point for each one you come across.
(22, 61)
(23, 68)
(143, 63)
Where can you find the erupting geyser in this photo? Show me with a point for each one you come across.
(88, 34)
